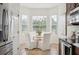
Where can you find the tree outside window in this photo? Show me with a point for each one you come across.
(39, 23)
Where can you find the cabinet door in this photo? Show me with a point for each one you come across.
(9, 47)
(70, 6)
(76, 51)
(2, 50)
(77, 4)
(5, 48)
(10, 53)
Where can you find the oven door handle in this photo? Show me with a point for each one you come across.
(68, 45)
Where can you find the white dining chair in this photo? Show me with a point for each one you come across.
(30, 42)
(45, 43)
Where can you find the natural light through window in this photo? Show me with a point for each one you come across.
(24, 22)
(54, 23)
(39, 23)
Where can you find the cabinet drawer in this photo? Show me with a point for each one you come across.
(10, 53)
(2, 50)
(8, 47)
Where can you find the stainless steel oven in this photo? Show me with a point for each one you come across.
(67, 48)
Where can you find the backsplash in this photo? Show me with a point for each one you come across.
(71, 29)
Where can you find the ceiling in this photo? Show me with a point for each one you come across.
(40, 5)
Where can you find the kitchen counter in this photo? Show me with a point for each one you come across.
(76, 44)
(2, 43)
(65, 39)
(6, 48)
(68, 41)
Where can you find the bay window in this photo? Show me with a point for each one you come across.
(39, 23)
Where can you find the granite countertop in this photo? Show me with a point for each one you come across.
(68, 40)
(76, 44)
(64, 38)
(2, 43)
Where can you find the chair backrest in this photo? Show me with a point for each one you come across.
(31, 40)
(31, 35)
(46, 40)
(47, 37)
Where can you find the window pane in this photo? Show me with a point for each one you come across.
(24, 22)
(39, 23)
(54, 23)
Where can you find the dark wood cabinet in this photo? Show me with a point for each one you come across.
(75, 50)
(77, 4)
(71, 6)
(71, 9)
